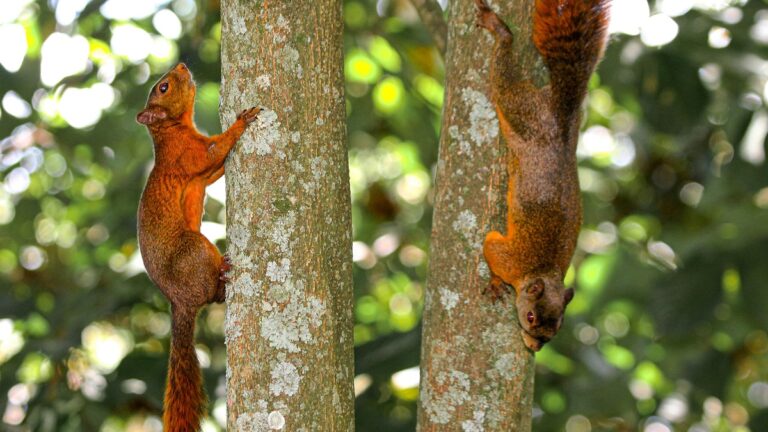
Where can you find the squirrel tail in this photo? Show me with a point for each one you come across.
(184, 398)
(571, 36)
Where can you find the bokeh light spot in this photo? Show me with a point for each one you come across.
(659, 30)
(167, 24)
(14, 46)
(388, 95)
(63, 56)
(131, 42)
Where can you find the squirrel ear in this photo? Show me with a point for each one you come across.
(535, 289)
(150, 115)
(568, 295)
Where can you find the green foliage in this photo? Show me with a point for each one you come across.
(668, 326)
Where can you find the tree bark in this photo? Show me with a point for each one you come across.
(476, 373)
(289, 302)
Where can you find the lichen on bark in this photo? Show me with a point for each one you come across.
(289, 302)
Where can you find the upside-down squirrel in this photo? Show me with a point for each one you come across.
(541, 129)
(187, 268)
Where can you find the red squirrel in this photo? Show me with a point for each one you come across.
(187, 268)
(541, 129)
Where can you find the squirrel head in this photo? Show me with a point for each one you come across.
(172, 97)
(540, 307)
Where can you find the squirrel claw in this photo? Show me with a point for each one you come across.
(226, 265)
(249, 115)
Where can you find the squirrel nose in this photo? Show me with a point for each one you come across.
(181, 66)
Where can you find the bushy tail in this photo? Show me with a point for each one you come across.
(184, 397)
(571, 36)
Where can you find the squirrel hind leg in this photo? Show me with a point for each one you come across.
(198, 268)
(488, 19)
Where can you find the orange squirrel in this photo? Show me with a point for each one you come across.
(541, 128)
(187, 268)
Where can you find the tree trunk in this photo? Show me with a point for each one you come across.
(289, 303)
(476, 372)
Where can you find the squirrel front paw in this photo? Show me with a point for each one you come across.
(497, 290)
(249, 115)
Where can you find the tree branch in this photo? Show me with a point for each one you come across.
(432, 17)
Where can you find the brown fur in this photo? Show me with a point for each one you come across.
(540, 127)
(187, 268)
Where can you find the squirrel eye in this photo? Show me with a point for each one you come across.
(530, 317)
(163, 87)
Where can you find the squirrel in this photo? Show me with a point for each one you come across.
(185, 265)
(541, 129)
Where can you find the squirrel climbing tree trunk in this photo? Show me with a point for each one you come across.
(289, 299)
(476, 373)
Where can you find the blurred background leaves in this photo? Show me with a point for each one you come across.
(668, 327)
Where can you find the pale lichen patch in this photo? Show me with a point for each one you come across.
(448, 298)
(465, 146)
(318, 165)
(245, 285)
(484, 126)
(252, 422)
(498, 336)
(282, 231)
(441, 405)
(233, 327)
(456, 136)
(292, 325)
(482, 269)
(282, 22)
(281, 293)
(263, 82)
(285, 379)
(279, 34)
(289, 59)
(279, 272)
(476, 424)
(239, 235)
(466, 224)
(508, 366)
(275, 420)
(238, 25)
(266, 134)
